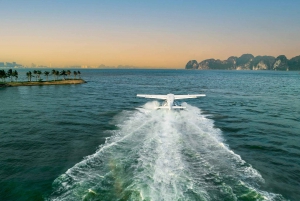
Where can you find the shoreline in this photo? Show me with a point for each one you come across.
(38, 83)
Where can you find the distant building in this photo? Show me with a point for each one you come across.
(12, 65)
(8, 64)
(42, 66)
(102, 66)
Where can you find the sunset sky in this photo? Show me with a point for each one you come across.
(153, 33)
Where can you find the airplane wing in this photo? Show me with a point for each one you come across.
(176, 97)
(152, 96)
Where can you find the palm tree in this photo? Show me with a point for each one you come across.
(46, 73)
(68, 73)
(53, 72)
(10, 74)
(29, 76)
(75, 74)
(15, 74)
(3, 75)
(39, 74)
(78, 72)
(35, 72)
(57, 74)
(63, 73)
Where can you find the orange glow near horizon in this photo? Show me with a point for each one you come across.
(142, 51)
(157, 37)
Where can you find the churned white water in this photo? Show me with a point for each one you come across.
(162, 155)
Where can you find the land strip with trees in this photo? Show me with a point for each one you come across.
(59, 78)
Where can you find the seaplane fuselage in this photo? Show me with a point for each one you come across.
(170, 101)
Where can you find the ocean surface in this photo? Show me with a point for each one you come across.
(98, 141)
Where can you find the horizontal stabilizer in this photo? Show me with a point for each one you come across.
(162, 107)
(173, 107)
(178, 107)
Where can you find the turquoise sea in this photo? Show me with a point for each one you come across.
(98, 141)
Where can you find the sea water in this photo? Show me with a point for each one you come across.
(98, 141)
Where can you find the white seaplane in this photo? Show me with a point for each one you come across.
(170, 102)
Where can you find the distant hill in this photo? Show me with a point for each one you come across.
(248, 62)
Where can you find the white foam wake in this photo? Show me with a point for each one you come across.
(162, 155)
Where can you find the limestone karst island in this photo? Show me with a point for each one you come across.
(248, 62)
